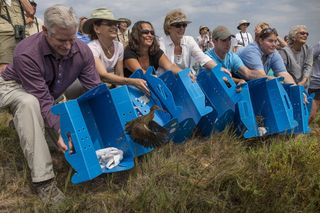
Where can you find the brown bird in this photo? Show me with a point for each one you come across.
(143, 130)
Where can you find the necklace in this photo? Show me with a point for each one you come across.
(108, 50)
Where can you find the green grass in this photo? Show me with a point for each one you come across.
(220, 174)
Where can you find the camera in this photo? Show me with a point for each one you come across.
(19, 32)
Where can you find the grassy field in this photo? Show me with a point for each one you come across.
(220, 174)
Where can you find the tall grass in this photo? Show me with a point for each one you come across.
(219, 174)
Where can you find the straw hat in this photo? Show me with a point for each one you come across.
(243, 22)
(203, 27)
(125, 20)
(97, 14)
(178, 20)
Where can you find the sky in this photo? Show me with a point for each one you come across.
(281, 14)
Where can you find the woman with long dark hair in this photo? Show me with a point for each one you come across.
(144, 51)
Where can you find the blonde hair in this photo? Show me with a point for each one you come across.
(259, 27)
(171, 17)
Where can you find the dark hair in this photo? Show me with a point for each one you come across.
(92, 34)
(265, 33)
(134, 38)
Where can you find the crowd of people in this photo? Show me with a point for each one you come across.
(63, 55)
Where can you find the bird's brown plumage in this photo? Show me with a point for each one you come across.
(145, 131)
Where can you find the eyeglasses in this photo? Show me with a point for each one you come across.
(146, 32)
(109, 23)
(179, 25)
(304, 33)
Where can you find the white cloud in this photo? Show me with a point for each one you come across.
(282, 14)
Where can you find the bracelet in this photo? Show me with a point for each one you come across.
(126, 81)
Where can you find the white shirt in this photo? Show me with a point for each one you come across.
(244, 38)
(190, 49)
(109, 63)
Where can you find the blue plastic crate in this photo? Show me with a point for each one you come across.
(300, 109)
(244, 119)
(179, 96)
(187, 94)
(92, 121)
(272, 105)
(230, 107)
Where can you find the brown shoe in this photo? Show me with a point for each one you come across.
(49, 193)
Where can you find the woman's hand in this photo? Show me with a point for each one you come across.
(140, 84)
(192, 76)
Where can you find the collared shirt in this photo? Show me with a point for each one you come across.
(253, 57)
(231, 60)
(190, 49)
(14, 9)
(46, 77)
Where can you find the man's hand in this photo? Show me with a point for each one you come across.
(3, 67)
(226, 71)
(239, 85)
(62, 146)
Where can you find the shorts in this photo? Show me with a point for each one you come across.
(317, 93)
(7, 45)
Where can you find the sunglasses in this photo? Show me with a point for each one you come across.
(179, 25)
(269, 31)
(109, 23)
(146, 32)
(304, 33)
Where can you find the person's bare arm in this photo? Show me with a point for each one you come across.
(119, 80)
(119, 68)
(287, 77)
(282, 42)
(28, 8)
(132, 64)
(251, 74)
(211, 64)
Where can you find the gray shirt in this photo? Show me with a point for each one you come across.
(315, 76)
(299, 64)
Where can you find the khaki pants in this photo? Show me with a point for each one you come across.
(30, 127)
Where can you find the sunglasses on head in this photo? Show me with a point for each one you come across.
(146, 32)
(269, 31)
(179, 25)
(304, 33)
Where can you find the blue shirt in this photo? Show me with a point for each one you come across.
(83, 37)
(231, 60)
(253, 57)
